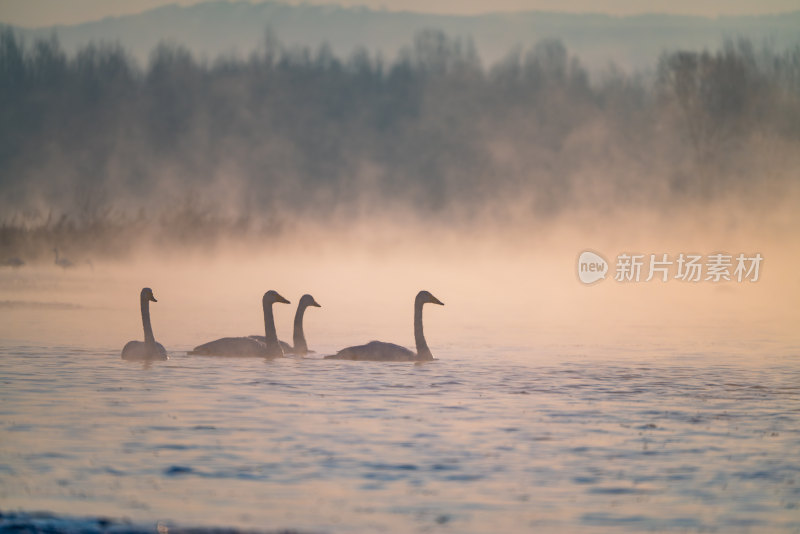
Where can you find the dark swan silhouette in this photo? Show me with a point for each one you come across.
(149, 349)
(13, 262)
(247, 346)
(62, 262)
(389, 352)
(298, 337)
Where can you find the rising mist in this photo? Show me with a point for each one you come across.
(100, 154)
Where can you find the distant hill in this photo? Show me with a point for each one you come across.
(219, 27)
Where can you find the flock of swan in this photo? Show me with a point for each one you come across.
(269, 346)
(16, 262)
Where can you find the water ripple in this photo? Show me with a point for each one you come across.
(465, 443)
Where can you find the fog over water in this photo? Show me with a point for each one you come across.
(521, 289)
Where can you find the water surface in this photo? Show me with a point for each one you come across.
(482, 440)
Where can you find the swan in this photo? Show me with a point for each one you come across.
(299, 339)
(247, 346)
(14, 262)
(389, 352)
(149, 349)
(64, 263)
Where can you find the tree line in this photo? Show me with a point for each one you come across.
(294, 132)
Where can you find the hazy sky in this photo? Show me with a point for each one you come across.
(34, 13)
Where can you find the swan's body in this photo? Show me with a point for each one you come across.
(298, 337)
(377, 351)
(149, 349)
(64, 263)
(389, 352)
(14, 262)
(269, 347)
(232, 346)
(141, 350)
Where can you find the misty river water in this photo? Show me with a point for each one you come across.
(482, 440)
(529, 420)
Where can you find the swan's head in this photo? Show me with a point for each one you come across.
(147, 294)
(425, 297)
(307, 300)
(271, 297)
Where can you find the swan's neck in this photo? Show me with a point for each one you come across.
(422, 347)
(270, 336)
(299, 338)
(148, 329)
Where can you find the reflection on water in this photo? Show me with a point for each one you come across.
(479, 441)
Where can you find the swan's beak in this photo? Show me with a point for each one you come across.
(280, 299)
(153, 298)
(434, 300)
(315, 304)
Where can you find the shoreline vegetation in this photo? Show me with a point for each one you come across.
(101, 155)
